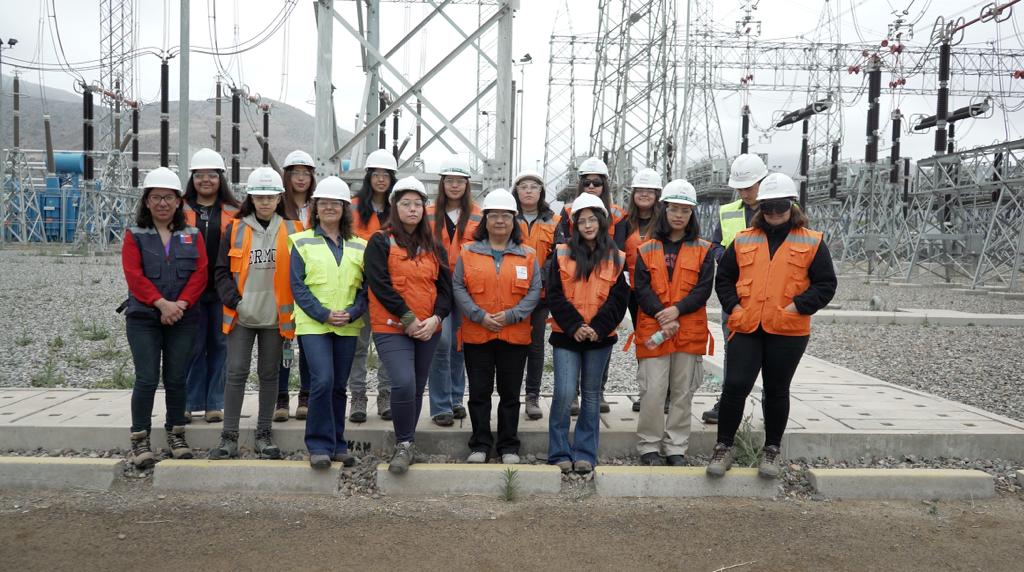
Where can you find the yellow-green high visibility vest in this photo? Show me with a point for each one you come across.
(334, 285)
(733, 219)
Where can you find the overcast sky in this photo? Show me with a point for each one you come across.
(262, 69)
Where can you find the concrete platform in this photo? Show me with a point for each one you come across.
(903, 484)
(242, 476)
(58, 473)
(462, 479)
(835, 413)
(680, 482)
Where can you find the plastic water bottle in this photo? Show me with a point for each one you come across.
(287, 354)
(656, 340)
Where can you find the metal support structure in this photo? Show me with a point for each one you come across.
(183, 94)
(236, 141)
(164, 113)
(323, 122)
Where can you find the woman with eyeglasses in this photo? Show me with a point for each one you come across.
(771, 279)
(587, 292)
(209, 206)
(496, 286)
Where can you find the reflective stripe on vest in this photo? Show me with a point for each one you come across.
(333, 284)
(414, 280)
(454, 247)
(767, 284)
(588, 295)
(497, 291)
(733, 219)
(693, 336)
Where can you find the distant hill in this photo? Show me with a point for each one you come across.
(290, 128)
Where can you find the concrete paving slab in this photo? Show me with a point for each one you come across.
(909, 484)
(58, 473)
(39, 403)
(267, 477)
(424, 479)
(680, 482)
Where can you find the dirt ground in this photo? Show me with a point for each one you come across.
(133, 527)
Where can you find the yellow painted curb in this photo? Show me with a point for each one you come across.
(83, 461)
(475, 467)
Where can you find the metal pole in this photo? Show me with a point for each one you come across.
(894, 155)
(236, 111)
(183, 96)
(87, 133)
(942, 106)
(745, 136)
(216, 119)
(373, 99)
(804, 160)
(394, 134)
(17, 111)
(164, 112)
(382, 133)
(499, 170)
(266, 135)
(51, 167)
(874, 92)
(2, 231)
(512, 133)
(833, 174)
(135, 147)
(324, 117)
(419, 126)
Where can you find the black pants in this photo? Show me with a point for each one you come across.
(777, 358)
(484, 362)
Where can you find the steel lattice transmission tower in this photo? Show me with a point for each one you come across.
(701, 130)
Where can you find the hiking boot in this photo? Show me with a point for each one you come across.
(384, 404)
(228, 447)
(533, 410)
(265, 447)
(188, 417)
(302, 409)
(177, 444)
(346, 459)
(443, 420)
(583, 467)
(281, 409)
(564, 466)
(652, 459)
(358, 414)
(574, 409)
(636, 405)
(510, 459)
(477, 457)
(721, 461)
(141, 455)
(458, 411)
(214, 416)
(676, 460)
(769, 467)
(402, 458)
(320, 461)
(711, 415)
(605, 406)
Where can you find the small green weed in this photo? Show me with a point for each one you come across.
(93, 332)
(746, 448)
(23, 339)
(120, 379)
(510, 484)
(56, 343)
(48, 376)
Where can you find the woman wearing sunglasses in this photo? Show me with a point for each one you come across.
(771, 279)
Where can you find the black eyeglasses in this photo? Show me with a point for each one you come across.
(775, 206)
(592, 183)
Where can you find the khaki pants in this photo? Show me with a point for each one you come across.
(678, 374)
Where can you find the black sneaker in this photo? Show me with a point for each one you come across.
(265, 447)
(141, 454)
(443, 420)
(458, 411)
(711, 415)
(228, 447)
(402, 458)
(346, 459)
(636, 405)
(652, 460)
(676, 460)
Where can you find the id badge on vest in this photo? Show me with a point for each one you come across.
(521, 273)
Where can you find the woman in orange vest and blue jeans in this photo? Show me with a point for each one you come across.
(497, 286)
(673, 278)
(410, 294)
(587, 293)
(771, 279)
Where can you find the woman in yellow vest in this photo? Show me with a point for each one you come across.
(327, 283)
(587, 292)
(496, 286)
(770, 280)
(673, 278)
(410, 294)
(253, 282)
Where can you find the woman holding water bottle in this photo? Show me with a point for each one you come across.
(673, 282)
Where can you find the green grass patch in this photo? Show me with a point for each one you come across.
(48, 376)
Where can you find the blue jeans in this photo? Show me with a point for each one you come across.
(448, 370)
(152, 345)
(205, 381)
(407, 361)
(570, 366)
(330, 358)
(286, 372)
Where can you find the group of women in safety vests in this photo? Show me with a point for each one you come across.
(449, 291)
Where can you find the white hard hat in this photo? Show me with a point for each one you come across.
(455, 166)
(206, 158)
(587, 201)
(777, 186)
(593, 166)
(528, 174)
(746, 170)
(298, 157)
(162, 178)
(381, 159)
(646, 179)
(408, 184)
(264, 181)
(679, 191)
(333, 188)
(499, 200)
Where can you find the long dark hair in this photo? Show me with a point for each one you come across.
(364, 210)
(144, 218)
(543, 208)
(420, 239)
(797, 218)
(344, 227)
(481, 233)
(224, 194)
(289, 206)
(606, 191)
(662, 230)
(441, 208)
(633, 215)
(586, 259)
(249, 208)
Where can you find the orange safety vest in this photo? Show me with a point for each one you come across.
(363, 231)
(767, 284)
(238, 257)
(497, 291)
(587, 296)
(454, 247)
(694, 337)
(540, 237)
(414, 280)
(227, 214)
